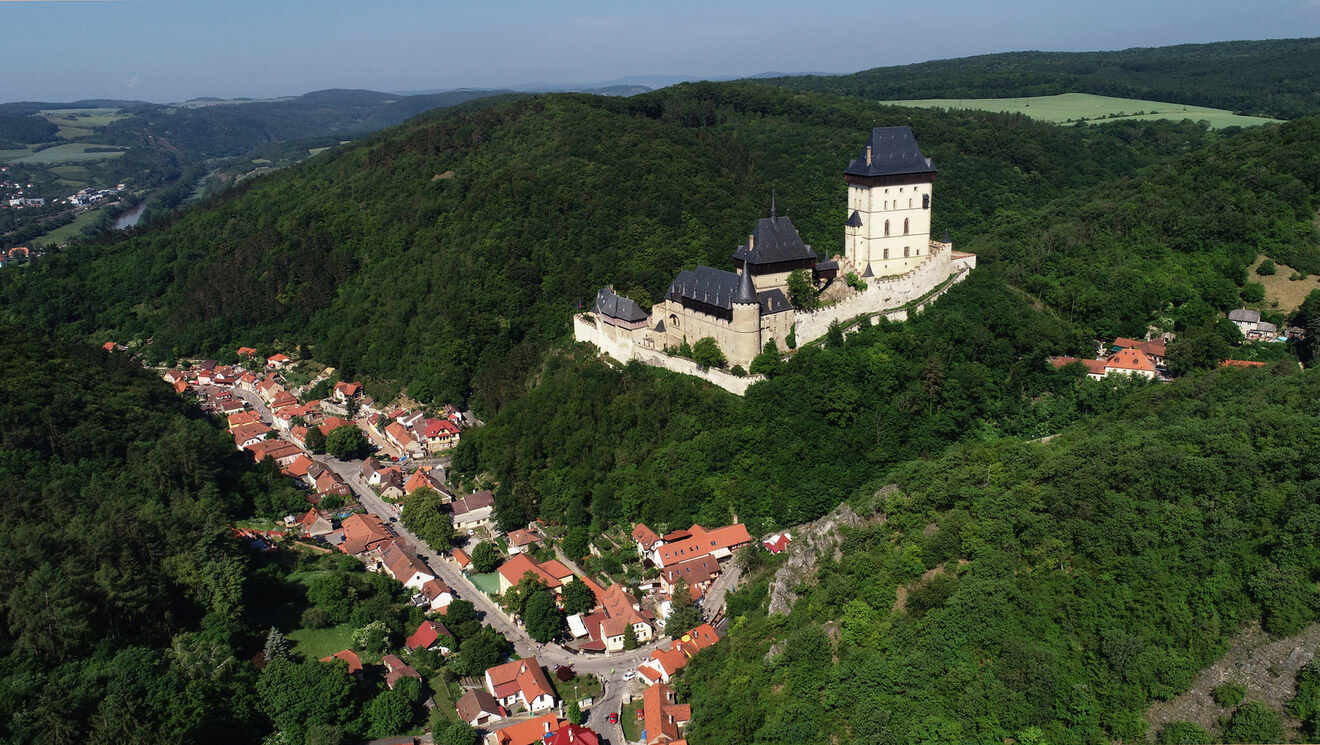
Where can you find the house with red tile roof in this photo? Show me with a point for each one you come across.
(698, 573)
(521, 683)
(436, 594)
(402, 438)
(517, 566)
(298, 468)
(315, 524)
(248, 434)
(572, 734)
(663, 717)
(348, 656)
(329, 482)
(396, 669)
(420, 479)
(277, 361)
(283, 453)
(346, 391)
(621, 610)
(268, 388)
(363, 533)
(1241, 363)
(430, 635)
(525, 733)
(1095, 369)
(333, 423)
(405, 566)
(473, 510)
(1130, 362)
(645, 538)
(246, 352)
(283, 400)
(719, 544)
(461, 558)
(440, 434)
(522, 539)
(242, 418)
(777, 543)
(667, 660)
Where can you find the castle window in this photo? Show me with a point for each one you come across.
(905, 252)
(905, 226)
(886, 227)
(886, 254)
(909, 204)
(673, 320)
(925, 201)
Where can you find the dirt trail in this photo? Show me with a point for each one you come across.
(1266, 666)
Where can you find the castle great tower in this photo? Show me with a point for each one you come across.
(889, 195)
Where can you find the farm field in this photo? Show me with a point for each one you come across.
(64, 233)
(71, 152)
(1067, 108)
(75, 123)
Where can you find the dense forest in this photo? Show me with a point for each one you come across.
(448, 254)
(1276, 78)
(1046, 592)
(130, 613)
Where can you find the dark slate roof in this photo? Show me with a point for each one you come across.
(616, 306)
(854, 220)
(660, 325)
(774, 240)
(868, 272)
(773, 301)
(746, 290)
(705, 285)
(822, 266)
(894, 152)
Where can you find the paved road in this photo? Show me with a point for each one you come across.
(713, 603)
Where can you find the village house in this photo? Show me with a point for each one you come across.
(430, 635)
(521, 683)
(1155, 349)
(440, 434)
(478, 708)
(667, 660)
(249, 434)
(1252, 327)
(348, 656)
(243, 417)
(420, 479)
(314, 524)
(396, 670)
(473, 510)
(620, 611)
(363, 533)
(434, 595)
(269, 388)
(553, 574)
(277, 361)
(697, 573)
(405, 566)
(522, 540)
(399, 435)
(534, 731)
(247, 352)
(778, 542)
(664, 718)
(345, 392)
(684, 545)
(329, 482)
(298, 468)
(283, 453)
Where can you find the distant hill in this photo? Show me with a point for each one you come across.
(1278, 78)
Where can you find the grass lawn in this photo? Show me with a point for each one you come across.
(64, 233)
(1072, 107)
(488, 583)
(317, 643)
(578, 688)
(9, 155)
(444, 698)
(1280, 292)
(72, 152)
(632, 729)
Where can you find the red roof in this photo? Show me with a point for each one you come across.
(461, 557)
(399, 433)
(347, 655)
(523, 537)
(703, 542)
(526, 733)
(1130, 359)
(396, 668)
(432, 428)
(277, 449)
(426, 635)
(277, 357)
(644, 536)
(348, 389)
(298, 468)
(246, 352)
(333, 423)
(777, 543)
(419, 480)
(1241, 363)
(108, 346)
(519, 565)
(363, 533)
(571, 734)
(243, 417)
(661, 725)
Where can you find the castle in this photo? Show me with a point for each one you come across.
(886, 244)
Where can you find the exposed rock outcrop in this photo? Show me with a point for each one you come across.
(811, 541)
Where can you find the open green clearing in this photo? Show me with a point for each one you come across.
(444, 698)
(317, 643)
(632, 729)
(80, 122)
(71, 152)
(64, 233)
(11, 155)
(1073, 107)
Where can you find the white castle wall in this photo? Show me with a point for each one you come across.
(619, 344)
(886, 293)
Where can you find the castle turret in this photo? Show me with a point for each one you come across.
(746, 326)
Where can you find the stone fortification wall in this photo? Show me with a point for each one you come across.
(620, 344)
(885, 293)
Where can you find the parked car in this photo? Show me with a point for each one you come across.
(613, 718)
(630, 675)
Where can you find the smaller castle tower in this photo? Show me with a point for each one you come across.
(746, 326)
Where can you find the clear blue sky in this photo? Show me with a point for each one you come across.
(169, 50)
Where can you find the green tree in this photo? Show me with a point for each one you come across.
(387, 714)
(684, 615)
(1253, 722)
(802, 292)
(1253, 292)
(707, 353)
(577, 542)
(299, 696)
(426, 515)
(629, 637)
(1228, 695)
(574, 713)
(578, 598)
(347, 443)
(481, 651)
(447, 732)
(1183, 733)
(486, 557)
(315, 440)
(834, 335)
(1267, 268)
(1197, 349)
(374, 637)
(767, 363)
(544, 621)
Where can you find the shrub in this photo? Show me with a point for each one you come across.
(1253, 292)
(1228, 695)
(315, 618)
(707, 353)
(1183, 733)
(1266, 268)
(1253, 722)
(739, 371)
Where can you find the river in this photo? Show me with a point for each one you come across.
(130, 218)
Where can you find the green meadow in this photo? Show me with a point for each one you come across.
(74, 123)
(70, 152)
(1067, 108)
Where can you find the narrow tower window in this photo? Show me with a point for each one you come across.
(905, 226)
(886, 227)
(905, 252)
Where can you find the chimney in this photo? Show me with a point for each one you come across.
(751, 241)
(868, 155)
